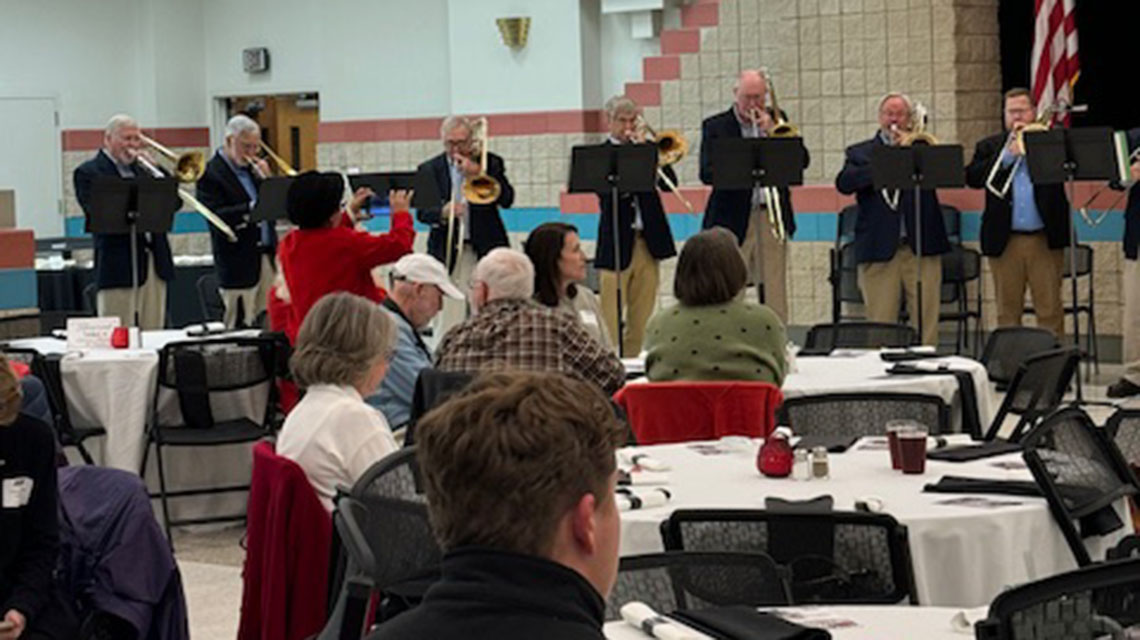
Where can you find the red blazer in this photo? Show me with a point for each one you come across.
(320, 261)
(288, 534)
(661, 412)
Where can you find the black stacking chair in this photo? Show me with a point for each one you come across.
(952, 222)
(863, 414)
(196, 373)
(960, 267)
(1085, 307)
(432, 388)
(1036, 390)
(1098, 601)
(1124, 430)
(1081, 473)
(841, 557)
(383, 525)
(210, 299)
(1008, 347)
(844, 281)
(859, 335)
(698, 580)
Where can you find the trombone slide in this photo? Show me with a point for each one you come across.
(192, 202)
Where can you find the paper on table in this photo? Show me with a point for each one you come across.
(90, 333)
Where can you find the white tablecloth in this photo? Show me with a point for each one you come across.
(963, 556)
(858, 623)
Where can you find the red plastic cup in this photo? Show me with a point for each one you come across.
(912, 451)
(893, 429)
(120, 337)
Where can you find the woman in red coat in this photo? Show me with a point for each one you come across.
(326, 253)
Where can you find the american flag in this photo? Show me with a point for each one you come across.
(1055, 65)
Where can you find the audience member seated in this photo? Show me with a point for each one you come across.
(327, 253)
(534, 561)
(341, 354)
(418, 284)
(712, 333)
(30, 606)
(511, 331)
(555, 250)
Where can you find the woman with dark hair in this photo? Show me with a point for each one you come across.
(712, 333)
(559, 268)
(327, 253)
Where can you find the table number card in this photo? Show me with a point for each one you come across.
(90, 333)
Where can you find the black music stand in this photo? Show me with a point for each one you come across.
(1064, 156)
(616, 169)
(742, 164)
(131, 205)
(271, 196)
(918, 167)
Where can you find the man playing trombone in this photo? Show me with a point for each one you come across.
(886, 229)
(475, 228)
(123, 147)
(750, 214)
(1025, 228)
(644, 237)
(229, 187)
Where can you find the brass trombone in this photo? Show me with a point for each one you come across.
(282, 167)
(188, 167)
(671, 147)
(772, 194)
(1044, 122)
(1133, 158)
(918, 133)
(481, 188)
(781, 127)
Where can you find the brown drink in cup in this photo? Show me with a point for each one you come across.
(893, 428)
(912, 450)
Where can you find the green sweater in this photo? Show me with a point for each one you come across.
(737, 340)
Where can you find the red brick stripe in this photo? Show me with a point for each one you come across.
(92, 139)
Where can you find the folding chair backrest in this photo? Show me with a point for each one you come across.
(198, 371)
(1036, 390)
(863, 414)
(1081, 474)
(210, 299)
(1124, 429)
(433, 387)
(1008, 347)
(697, 580)
(836, 557)
(860, 335)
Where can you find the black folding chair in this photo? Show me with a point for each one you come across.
(1081, 473)
(960, 267)
(210, 298)
(698, 580)
(1098, 601)
(1086, 307)
(859, 335)
(844, 280)
(841, 557)
(1008, 347)
(196, 373)
(863, 414)
(1036, 390)
(432, 388)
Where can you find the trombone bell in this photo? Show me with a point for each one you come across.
(188, 167)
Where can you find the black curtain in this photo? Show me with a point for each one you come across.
(1107, 34)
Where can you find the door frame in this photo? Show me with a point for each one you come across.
(56, 149)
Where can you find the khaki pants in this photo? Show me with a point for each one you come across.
(639, 284)
(152, 301)
(766, 258)
(1131, 320)
(251, 300)
(1028, 260)
(882, 283)
(455, 311)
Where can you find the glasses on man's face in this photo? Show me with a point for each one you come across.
(455, 144)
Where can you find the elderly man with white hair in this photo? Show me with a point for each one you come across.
(122, 147)
(229, 187)
(509, 331)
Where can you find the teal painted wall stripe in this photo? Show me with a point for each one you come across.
(810, 227)
(18, 289)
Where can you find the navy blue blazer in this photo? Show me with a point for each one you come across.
(113, 250)
(655, 226)
(238, 264)
(730, 208)
(1132, 210)
(877, 225)
(487, 230)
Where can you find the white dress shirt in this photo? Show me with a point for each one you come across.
(334, 436)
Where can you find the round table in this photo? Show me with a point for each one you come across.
(963, 555)
(860, 623)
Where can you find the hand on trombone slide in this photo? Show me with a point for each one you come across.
(460, 210)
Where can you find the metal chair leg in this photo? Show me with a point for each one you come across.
(162, 492)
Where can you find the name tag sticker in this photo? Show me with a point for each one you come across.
(16, 492)
(588, 317)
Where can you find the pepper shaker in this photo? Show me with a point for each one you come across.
(819, 464)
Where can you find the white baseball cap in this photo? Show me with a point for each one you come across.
(421, 268)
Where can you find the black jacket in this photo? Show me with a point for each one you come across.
(113, 250)
(877, 225)
(487, 230)
(731, 208)
(1132, 210)
(29, 531)
(487, 594)
(997, 218)
(238, 264)
(655, 226)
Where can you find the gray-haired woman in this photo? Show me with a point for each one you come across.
(341, 356)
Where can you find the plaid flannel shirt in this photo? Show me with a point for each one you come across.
(523, 335)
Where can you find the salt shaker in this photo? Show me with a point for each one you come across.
(819, 464)
(801, 468)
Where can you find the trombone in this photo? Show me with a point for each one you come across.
(481, 188)
(1133, 158)
(671, 147)
(772, 194)
(915, 135)
(1016, 136)
(282, 167)
(188, 167)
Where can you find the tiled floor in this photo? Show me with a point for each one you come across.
(211, 560)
